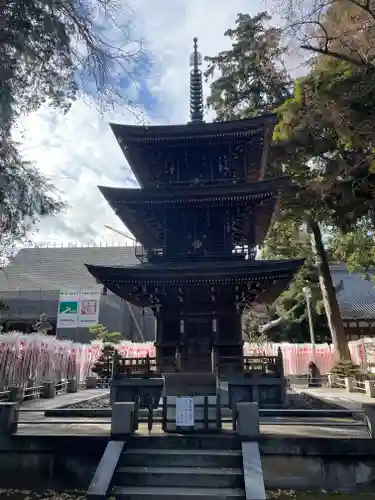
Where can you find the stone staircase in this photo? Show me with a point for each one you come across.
(180, 467)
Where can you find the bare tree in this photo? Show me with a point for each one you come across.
(51, 51)
(342, 29)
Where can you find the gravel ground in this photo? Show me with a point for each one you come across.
(296, 400)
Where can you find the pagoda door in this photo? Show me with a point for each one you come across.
(197, 346)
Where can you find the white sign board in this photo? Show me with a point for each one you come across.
(89, 308)
(184, 412)
(78, 308)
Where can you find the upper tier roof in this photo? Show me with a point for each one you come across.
(135, 141)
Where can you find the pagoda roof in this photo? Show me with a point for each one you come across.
(188, 131)
(133, 139)
(133, 206)
(186, 195)
(196, 272)
(124, 281)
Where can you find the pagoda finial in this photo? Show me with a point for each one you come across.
(196, 85)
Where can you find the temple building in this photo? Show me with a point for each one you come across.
(204, 205)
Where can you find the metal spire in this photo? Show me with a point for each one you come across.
(196, 85)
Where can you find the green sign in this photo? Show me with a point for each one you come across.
(68, 307)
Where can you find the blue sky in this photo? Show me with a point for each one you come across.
(79, 151)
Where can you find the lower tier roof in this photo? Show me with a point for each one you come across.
(182, 272)
(272, 276)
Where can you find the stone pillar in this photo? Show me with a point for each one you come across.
(8, 418)
(123, 420)
(370, 388)
(91, 382)
(16, 394)
(349, 386)
(248, 420)
(72, 386)
(332, 378)
(49, 390)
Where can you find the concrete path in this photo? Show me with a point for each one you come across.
(340, 397)
(35, 408)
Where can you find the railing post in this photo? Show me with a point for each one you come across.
(178, 360)
(349, 384)
(332, 380)
(280, 362)
(122, 422)
(248, 420)
(16, 393)
(150, 415)
(370, 388)
(91, 382)
(164, 414)
(9, 417)
(215, 360)
(49, 390)
(72, 386)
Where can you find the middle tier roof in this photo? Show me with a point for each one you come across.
(143, 210)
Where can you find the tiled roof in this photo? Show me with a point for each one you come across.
(356, 296)
(54, 268)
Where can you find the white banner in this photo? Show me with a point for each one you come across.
(89, 308)
(78, 308)
(185, 412)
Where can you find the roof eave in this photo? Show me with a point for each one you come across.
(139, 131)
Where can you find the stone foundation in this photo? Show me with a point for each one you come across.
(129, 390)
(268, 392)
(190, 384)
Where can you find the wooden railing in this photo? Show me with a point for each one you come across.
(128, 367)
(271, 366)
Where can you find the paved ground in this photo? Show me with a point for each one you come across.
(36, 407)
(32, 421)
(340, 397)
(83, 427)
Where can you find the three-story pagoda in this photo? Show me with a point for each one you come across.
(204, 205)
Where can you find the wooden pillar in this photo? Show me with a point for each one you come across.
(159, 336)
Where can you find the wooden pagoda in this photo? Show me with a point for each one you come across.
(204, 205)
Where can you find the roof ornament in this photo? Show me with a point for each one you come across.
(196, 85)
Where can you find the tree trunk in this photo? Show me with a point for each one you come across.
(328, 292)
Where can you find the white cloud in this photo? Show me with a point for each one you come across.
(79, 151)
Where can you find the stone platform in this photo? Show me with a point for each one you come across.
(312, 462)
(33, 421)
(339, 397)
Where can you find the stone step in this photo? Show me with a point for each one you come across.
(179, 493)
(182, 477)
(181, 458)
(222, 441)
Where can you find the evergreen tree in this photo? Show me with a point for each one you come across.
(104, 365)
(251, 78)
(300, 143)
